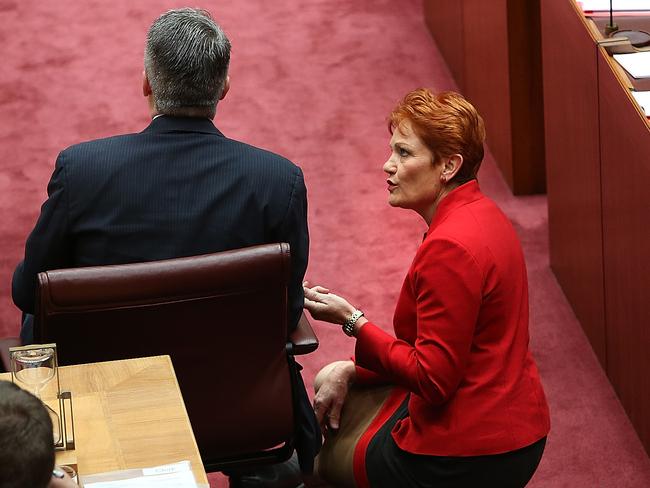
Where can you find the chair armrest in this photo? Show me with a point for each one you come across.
(303, 339)
(5, 344)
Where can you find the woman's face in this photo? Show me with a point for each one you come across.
(413, 178)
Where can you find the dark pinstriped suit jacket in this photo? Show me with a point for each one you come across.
(179, 188)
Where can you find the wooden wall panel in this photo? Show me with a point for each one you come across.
(444, 19)
(493, 48)
(487, 79)
(573, 164)
(625, 160)
(526, 97)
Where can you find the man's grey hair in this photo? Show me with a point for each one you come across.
(186, 61)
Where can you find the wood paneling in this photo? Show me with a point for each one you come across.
(597, 147)
(526, 97)
(625, 158)
(597, 144)
(487, 79)
(445, 22)
(492, 48)
(573, 165)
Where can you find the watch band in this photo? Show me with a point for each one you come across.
(348, 325)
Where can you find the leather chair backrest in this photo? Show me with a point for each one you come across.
(221, 317)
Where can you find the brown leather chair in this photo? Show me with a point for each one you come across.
(223, 320)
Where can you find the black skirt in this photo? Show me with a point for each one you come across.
(388, 466)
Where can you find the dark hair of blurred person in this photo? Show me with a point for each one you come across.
(27, 456)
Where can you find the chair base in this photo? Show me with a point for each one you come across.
(279, 475)
(242, 461)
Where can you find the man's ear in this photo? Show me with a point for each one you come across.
(146, 87)
(451, 166)
(226, 87)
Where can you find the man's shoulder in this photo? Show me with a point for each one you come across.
(127, 150)
(99, 145)
(256, 154)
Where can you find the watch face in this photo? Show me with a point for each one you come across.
(348, 326)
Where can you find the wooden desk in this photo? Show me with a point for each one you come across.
(597, 146)
(625, 173)
(128, 414)
(636, 22)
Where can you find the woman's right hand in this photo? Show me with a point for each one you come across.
(331, 392)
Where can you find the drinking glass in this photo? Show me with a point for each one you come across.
(34, 368)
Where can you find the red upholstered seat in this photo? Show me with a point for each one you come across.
(223, 320)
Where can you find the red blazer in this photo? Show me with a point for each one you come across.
(461, 346)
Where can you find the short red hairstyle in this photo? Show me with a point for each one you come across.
(447, 124)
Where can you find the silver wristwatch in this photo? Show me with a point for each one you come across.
(348, 325)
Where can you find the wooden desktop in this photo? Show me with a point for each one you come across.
(128, 414)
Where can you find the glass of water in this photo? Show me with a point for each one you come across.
(33, 368)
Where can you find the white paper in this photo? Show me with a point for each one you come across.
(618, 5)
(167, 469)
(637, 64)
(643, 99)
(177, 475)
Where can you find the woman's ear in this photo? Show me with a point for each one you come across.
(450, 167)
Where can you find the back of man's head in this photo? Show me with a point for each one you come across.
(26, 440)
(186, 62)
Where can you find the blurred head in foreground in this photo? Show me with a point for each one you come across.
(26, 438)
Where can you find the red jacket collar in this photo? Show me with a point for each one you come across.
(464, 194)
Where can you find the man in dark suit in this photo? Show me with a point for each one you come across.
(178, 188)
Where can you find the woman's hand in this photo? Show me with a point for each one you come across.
(326, 306)
(331, 393)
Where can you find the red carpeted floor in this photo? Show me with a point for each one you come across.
(313, 80)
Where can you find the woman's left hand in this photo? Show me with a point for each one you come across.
(331, 393)
(326, 306)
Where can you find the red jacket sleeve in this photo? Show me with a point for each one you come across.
(366, 377)
(447, 284)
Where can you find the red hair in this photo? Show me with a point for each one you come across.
(447, 124)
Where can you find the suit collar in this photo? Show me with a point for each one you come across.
(167, 124)
(464, 194)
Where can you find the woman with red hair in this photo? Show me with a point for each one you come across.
(467, 408)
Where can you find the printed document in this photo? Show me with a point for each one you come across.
(617, 5)
(177, 475)
(637, 64)
(643, 99)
